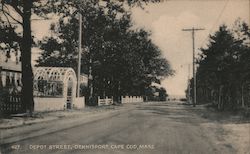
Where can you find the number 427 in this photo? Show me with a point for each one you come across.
(16, 147)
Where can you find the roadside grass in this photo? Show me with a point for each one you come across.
(240, 115)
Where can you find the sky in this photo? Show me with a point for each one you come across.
(166, 20)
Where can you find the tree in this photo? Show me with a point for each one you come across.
(125, 61)
(222, 64)
(162, 94)
(223, 70)
(242, 34)
(24, 9)
(9, 39)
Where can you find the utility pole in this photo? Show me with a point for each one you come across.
(189, 97)
(79, 56)
(90, 81)
(194, 74)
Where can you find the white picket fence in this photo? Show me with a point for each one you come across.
(124, 99)
(132, 99)
(105, 101)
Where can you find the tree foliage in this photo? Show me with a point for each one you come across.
(223, 72)
(124, 61)
(20, 12)
(9, 39)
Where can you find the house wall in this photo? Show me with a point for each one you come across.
(16, 76)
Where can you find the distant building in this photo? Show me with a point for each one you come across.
(10, 72)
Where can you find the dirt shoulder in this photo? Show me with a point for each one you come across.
(231, 129)
(20, 120)
(19, 128)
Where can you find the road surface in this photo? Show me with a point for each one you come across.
(157, 128)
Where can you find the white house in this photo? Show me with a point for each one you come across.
(54, 87)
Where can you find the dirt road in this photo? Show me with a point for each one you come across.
(159, 128)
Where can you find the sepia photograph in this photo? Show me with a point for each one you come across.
(125, 76)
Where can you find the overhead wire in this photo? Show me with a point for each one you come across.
(216, 22)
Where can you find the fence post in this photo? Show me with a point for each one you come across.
(98, 100)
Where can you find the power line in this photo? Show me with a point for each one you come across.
(217, 20)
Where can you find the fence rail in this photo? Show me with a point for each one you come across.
(11, 104)
(132, 99)
(105, 101)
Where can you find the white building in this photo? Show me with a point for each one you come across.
(54, 87)
(10, 72)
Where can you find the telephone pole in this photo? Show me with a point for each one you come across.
(79, 55)
(189, 97)
(193, 30)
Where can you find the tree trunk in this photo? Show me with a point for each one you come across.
(220, 98)
(27, 74)
(116, 91)
(1, 86)
(242, 96)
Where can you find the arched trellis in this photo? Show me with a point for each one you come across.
(40, 74)
(53, 78)
(54, 73)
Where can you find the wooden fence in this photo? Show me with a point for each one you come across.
(131, 99)
(105, 101)
(11, 104)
